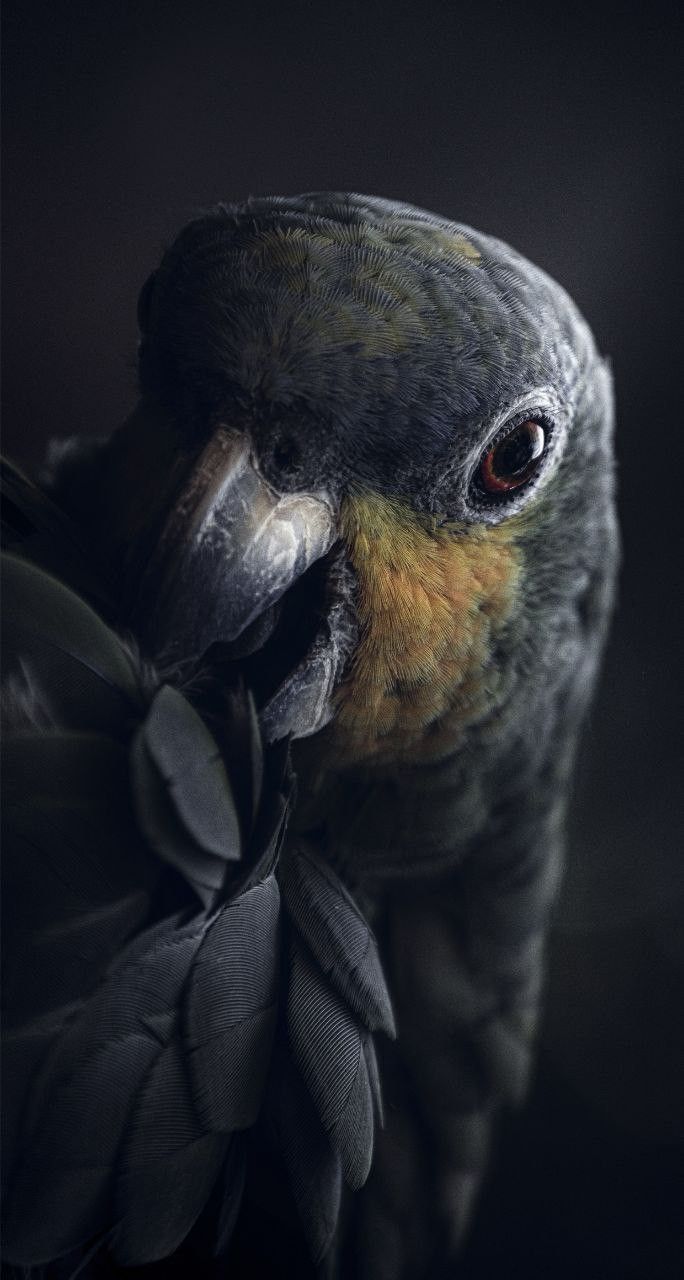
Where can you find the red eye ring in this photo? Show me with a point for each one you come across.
(513, 458)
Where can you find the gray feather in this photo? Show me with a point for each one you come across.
(338, 936)
(328, 1047)
(230, 1009)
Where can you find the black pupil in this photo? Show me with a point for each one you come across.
(517, 451)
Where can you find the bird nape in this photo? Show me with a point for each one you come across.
(296, 663)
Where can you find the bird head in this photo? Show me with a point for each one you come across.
(372, 461)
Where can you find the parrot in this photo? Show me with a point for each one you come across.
(296, 665)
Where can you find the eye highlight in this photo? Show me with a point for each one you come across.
(512, 459)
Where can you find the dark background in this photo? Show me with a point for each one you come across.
(557, 132)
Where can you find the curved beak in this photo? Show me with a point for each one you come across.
(231, 547)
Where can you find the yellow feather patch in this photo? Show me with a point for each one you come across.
(429, 601)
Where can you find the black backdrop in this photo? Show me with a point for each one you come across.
(558, 132)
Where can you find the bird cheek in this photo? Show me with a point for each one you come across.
(430, 604)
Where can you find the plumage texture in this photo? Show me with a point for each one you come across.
(338, 936)
(182, 794)
(230, 1009)
(313, 1165)
(328, 1047)
(366, 353)
(430, 606)
(145, 953)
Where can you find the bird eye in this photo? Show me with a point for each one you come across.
(512, 459)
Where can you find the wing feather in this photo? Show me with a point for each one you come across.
(167, 1166)
(328, 1047)
(231, 1007)
(338, 936)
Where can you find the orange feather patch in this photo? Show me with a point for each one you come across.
(429, 600)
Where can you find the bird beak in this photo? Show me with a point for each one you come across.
(231, 547)
(230, 550)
